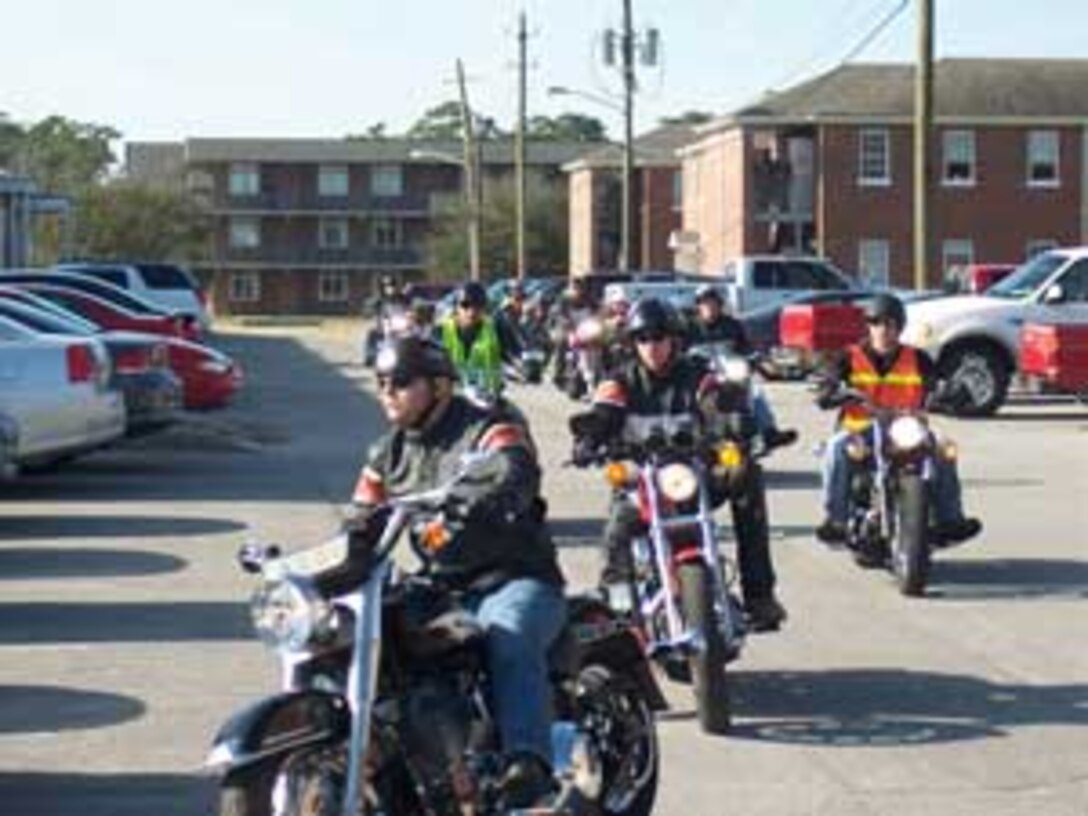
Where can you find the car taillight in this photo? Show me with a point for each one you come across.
(132, 361)
(82, 364)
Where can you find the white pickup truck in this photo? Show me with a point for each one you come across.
(748, 282)
(975, 339)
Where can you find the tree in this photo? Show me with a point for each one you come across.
(11, 136)
(443, 123)
(373, 132)
(124, 220)
(691, 117)
(569, 127)
(65, 156)
(545, 232)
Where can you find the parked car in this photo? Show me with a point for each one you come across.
(974, 279)
(975, 339)
(166, 285)
(140, 367)
(109, 315)
(9, 444)
(57, 389)
(753, 281)
(188, 323)
(209, 378)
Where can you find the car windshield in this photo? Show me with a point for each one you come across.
(1028, 278)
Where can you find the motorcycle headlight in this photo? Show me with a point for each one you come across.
(589, 330)
(678, 482)
(736, 369)
(289, 614)
(907, 433)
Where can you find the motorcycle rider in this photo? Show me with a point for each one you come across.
(892, 375)
(499, 553)
(713, 324)
(660, 380)
(477, 343)
(573, 307)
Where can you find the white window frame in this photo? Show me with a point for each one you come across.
(244, 180)
(386, 180)
(956, 252)
(880, 250)
(874, 148)
(958, 147)
(244, 287)
(1043, 150)
(333, 181)
(323, 224)
(1037, 246)
(397, 226)
(244, 232)
(333, 287)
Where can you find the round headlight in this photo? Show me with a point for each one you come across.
(907, 433)
(589, 330)
(288, 614)
(678, 482)
(736, 369)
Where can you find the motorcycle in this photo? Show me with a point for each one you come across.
(395, 322)
(384, 707)
(684, 601)
(891, 456)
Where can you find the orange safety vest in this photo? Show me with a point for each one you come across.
(901, 388)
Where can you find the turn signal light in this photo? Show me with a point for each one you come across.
(857, 450)
(730, 455)
(617, 474)
(950, 450)
(435, 537)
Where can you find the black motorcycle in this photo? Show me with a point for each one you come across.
(384, 708)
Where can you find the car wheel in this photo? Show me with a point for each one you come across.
(983, 376)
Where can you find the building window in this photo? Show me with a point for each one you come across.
(332, 287)
(332, 181)
(332, 233)
(1038, 246)
(245, 287)
(958, 163)
(956, 252)
(245, 180)
(385, 233)
(245, 233)
(386, 180)
(1043, 153)
(874, 158)
(874, 261)
(677, 190)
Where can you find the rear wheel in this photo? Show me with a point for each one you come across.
(711, 685)
(982, 374)
(911, 555)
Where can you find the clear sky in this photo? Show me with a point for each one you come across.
(166, 70)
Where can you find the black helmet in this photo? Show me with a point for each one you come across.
(708, 292)
(886, 307)
(409, 358)
(654, 317)
(472, 294)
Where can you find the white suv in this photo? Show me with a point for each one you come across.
(975, 339)
(163, 284)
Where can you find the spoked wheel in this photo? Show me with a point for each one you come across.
(910, 553)
(711, 685)
(308, 783)
(625, 734)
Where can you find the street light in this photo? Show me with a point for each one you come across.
(628, 172)
(473, 201)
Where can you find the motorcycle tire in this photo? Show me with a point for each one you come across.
(709, 679)
(248, 792)
(911, 553)
(609, 694)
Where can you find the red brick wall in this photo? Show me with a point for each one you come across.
(658, 218)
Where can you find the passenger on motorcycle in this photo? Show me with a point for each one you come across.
(659, 380)
(713, 324)
(477, 343)
(499, 554)
(891, 375)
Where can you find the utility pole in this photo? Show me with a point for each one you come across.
(627, 48)
(519, 148)
(923, 139)
(470, 171)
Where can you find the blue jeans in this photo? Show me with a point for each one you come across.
(522, 618)
(944, 489)
(761, 412)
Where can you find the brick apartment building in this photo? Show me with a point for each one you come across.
(595, 196)
(826, 166)
(309, 226)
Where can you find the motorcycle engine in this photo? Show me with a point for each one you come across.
(440, 727)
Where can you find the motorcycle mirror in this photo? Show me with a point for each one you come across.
(586, 424)
(252, 557)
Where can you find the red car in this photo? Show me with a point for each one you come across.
(209, 378)
(111, 316)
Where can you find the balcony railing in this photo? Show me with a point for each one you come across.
(294, 201)
(315, 256)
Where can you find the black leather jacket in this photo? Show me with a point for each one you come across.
(498, 532)
(725, 329)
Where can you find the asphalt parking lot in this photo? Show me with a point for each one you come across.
(124, 638)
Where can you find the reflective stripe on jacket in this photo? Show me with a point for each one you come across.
(900, 388)
(482, 363)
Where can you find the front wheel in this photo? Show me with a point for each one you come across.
(308, 783)
(982, 375)
(711, 685)
(911, 557)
